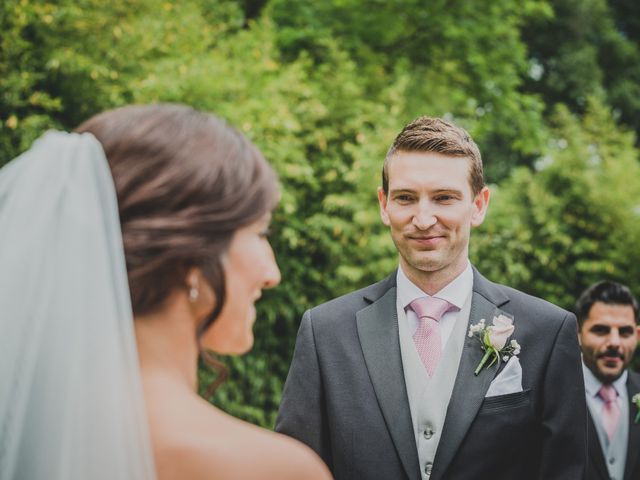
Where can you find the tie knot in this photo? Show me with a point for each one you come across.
(431, 307)
(608, 393)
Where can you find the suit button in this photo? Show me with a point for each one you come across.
(612, 460)
(427, 468)
(428, 433)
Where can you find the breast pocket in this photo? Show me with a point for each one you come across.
(508, 402)
(504, 423)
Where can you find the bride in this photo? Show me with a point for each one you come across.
(128, 249)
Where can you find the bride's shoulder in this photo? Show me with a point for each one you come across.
(209, 444)
(275, 455)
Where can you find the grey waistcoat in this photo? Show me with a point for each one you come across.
(614, 451)
(429, 397)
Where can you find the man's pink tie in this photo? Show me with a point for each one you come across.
(427, 337)
(611, 409)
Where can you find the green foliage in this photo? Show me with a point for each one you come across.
(556, 231)
(25, 105)
(587, 48)
(463, 60)
(61, 62)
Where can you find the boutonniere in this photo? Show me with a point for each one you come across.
(493, 340)
(636, 401)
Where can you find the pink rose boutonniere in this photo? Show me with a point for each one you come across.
(493, 340)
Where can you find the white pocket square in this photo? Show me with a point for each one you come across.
(508, 381)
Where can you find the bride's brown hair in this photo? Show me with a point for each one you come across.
(185, 181)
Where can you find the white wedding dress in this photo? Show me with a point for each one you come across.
(71, 403)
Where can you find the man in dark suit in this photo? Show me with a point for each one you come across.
(607, 317)
(389, 382)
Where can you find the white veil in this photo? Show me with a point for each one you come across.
(71, 403)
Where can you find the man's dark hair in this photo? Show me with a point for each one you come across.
(611, 293)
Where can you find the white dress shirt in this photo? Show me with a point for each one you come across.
(592, 386)
(457, 292)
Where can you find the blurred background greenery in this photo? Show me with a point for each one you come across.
(550, 90)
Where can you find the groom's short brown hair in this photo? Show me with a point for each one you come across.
(428, 134)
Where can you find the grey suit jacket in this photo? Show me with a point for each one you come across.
(345, 395)
(597, 469)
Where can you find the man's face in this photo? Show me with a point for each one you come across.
(608, 338)
(430, 209)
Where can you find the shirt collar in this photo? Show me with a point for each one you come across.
(592, 385)
(455, 292)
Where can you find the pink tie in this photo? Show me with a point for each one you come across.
(427, 337)
(611, 409)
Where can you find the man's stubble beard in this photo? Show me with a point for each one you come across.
(425, 261)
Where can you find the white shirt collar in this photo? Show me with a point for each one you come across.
(455, 292)
(592, 385)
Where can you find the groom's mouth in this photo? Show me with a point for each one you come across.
(427, 240)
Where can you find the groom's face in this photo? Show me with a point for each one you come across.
(430, 209)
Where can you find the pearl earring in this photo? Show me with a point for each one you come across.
(193, 294)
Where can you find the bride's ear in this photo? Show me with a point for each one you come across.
(199, 292)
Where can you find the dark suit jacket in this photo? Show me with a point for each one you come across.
(345, 395)
(596, 468)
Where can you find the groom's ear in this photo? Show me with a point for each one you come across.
(382, 201)
(481, 205)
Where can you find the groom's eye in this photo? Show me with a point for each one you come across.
(403, 198)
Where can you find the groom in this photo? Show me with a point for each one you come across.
(383, 382)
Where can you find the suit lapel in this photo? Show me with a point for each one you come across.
(595, 449)
(378, 332)
(631, 467)
(469, 390)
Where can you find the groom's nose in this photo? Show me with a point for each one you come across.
(424, 216)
